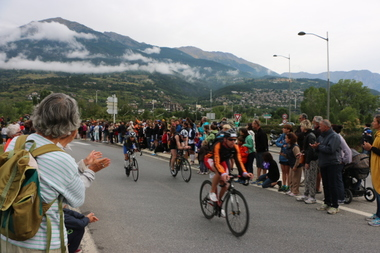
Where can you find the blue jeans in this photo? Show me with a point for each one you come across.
(377, 203)
(266, 181)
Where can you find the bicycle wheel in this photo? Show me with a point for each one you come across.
(135, 170)
(175, 171)
(207, 205)
(185, 170)
(237, 213)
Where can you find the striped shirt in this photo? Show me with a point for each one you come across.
(58, 176)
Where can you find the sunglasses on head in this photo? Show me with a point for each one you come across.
(231, 139)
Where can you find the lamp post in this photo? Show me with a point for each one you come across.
(290, 83)
(328, 67)
(96, 96)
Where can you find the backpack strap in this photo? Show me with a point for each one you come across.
(45, 149)
(61, 222)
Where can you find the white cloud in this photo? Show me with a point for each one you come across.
(131, 56)
(233, 72)
(153, 50)
(21, 62)
(50, 31)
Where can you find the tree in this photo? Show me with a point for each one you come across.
(315, 102)
(352, 96)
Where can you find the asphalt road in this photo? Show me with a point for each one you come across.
(159, 213)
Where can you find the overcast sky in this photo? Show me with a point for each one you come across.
(252, 30)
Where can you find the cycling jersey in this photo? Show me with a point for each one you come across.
(221, 155)
(173, 141)
(130, 145)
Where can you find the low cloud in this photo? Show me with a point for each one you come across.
(153, 50)
(233, 72)
(21, 62)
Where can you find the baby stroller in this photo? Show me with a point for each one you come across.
(354, 178)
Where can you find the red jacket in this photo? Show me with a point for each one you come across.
(244, 153)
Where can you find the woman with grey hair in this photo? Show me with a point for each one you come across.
(56, 120)
(13, 130)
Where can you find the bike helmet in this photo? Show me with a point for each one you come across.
(184, 133)
(229, 133)
(132, 134)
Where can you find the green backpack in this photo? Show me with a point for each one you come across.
(21, 206)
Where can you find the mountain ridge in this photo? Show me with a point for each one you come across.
(57, 44)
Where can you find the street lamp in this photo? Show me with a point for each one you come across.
(290, 88)
(96, 96)
(328, 67)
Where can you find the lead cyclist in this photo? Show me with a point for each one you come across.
(218, 162)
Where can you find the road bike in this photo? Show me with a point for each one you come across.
(133, 165)
(181, 164)
(234, 203)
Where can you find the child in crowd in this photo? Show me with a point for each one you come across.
(204, 150)
(75, 224)
(244, 151)
(270, 179)
(165, 140)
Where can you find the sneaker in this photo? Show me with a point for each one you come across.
(153, 153)
(260, 183)
(279, 183)
(333, 210)
(375, 222)
(341, 202)
(291, 194)
(301, 198)
(287, 192)
(164, 152)
(127, 171)
(213, 197)
(199, 172)
(286, 188)
(323, 207)
(255, 182)
(371, 218)
(310, 201)
(222, 213)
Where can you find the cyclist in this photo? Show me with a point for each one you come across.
(130, 144)
(218, 161)
(177, 141)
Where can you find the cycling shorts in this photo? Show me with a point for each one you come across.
(209, 162)
(125, 149)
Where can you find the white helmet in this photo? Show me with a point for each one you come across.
(184, 133)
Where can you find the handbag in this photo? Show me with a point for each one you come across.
(302, 159)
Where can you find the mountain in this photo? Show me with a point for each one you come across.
(369, 79)
(230, 60)
(57, 44)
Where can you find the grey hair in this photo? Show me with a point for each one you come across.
(318, 119)
(56, 116)
(13, 129)
(326, 122)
